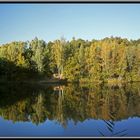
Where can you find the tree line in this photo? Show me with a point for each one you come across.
(108, 59)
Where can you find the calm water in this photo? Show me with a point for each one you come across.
(70, 110)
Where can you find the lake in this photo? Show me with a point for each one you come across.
(72, 110)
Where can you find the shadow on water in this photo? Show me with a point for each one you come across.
(37, 103)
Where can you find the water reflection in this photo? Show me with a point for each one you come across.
(73, 102)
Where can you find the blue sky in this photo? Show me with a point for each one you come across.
(22, 22)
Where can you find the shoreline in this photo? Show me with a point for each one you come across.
(64, 81)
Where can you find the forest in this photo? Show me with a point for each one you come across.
(112, 59)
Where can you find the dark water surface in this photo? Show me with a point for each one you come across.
(71, 110)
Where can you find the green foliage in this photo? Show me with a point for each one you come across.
(109, 59)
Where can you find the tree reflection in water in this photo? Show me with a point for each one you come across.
(37, 103)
